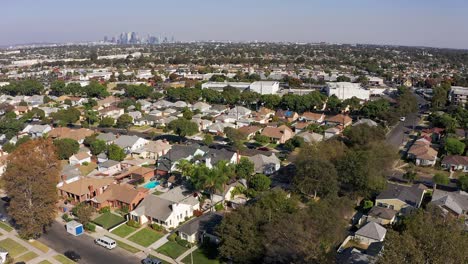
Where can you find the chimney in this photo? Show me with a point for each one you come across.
(64, 178)
(91, 188)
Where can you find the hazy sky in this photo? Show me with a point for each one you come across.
(407, 22)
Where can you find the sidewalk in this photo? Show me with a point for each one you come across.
(186, 253)
(41, 256)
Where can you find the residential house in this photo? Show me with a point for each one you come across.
(111, 111)
(422, 153)
(317, 118)
(310, 137)
(218, 128)
(168, 162)
(65, 132)
(263, 115)
(168, 209)
(83, 189)
(239, 112)
(109, 167)
(201, 228)
(130, 143)
(454, 203)
(109, 138)
(250, 131)
(36, 131)
(339, 120)
(366, 121)
(120, 196)
(287, 115)
(401, 198)
(370, 233)
(201, 106)
(107, 102)
(278, 135)
(213, 156)
(265, 164)
(69, 173)
(381, 215)
(152, 150)
(136, 174)
(455, 163)
(80, 158)
(331, 132)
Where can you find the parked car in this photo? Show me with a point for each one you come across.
(105, 242)
(402, 119)
(3, 218)
(151, 261)
(72, 255)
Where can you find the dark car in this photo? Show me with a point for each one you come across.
(72, 255)
(151, 261)
(6, 199)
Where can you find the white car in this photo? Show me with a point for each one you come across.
(402, 119)
(105, 242)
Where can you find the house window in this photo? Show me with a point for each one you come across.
(170, 222)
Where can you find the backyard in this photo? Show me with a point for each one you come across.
(146, 237)
(108, 220)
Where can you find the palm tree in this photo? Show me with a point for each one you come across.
(185, 167)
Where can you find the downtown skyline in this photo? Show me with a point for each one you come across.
(418, 23)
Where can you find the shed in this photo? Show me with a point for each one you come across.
(74, 228)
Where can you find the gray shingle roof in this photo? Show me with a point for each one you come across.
(372, 230)
(411, 195)
(205, 223)
(455, 201)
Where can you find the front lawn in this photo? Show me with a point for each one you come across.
(26, 257)
(45, 262)
(172, 249)
(145, 237)
(108, 220)
(13, 248)
(64, 260)
(39, 246)
(124, 230)
(199, 258)
(5, 227)
(87, 169)
(127, 247)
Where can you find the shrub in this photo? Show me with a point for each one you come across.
(219, 207)
(197, 213)
(133, 223)
(368, 204)
(105, 209)
(172, 237)
(66, 218)
(90, 227)
(85, 163)
(157, 227)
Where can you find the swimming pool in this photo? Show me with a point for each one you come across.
(151, 184)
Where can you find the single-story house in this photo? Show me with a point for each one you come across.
(381, 215)
(109, 167)
(279, 134)
(455, 163)
(370, 233)
(422, 153)
(401, 198)
(455, 203)
(201, 228)
(80, 158)
(265, 164)
(152, 150)
(120, 195)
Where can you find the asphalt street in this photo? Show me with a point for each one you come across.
(58, 239)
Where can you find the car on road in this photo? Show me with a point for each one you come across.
(151, 261)
(402, 119)
(3, 218)
(105, 242)
(72, 255)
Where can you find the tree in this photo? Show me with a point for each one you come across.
(66, 116)
(98, 146)
(114, 152)
(66, 147)
(107, 122)
(293, 143)
(315, 177)
(83, 212)
(343, 78)
(208, 139)
(138, 91)
(124, 121)
(363, 134)
(183, 127)
(231, 95)
(426, 237)
(245, 168)
(454, 146)
(32, 187)
(260, 182)
(463, 182)
(261, 139)
(441, 179)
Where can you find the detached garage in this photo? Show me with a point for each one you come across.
(75, 228)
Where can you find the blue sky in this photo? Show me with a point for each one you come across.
(403, 22)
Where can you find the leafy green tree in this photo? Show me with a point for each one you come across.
(124, 121)
(363, 134)
(114, 152)
(138, 91)
(66, 116)
(231, 95)
(454, 146)
(463, 182)
(343, 78)
(66, 147)
(83, 212)
(107, 122)
(315, 177)
(426, 237)
(271, 101)
(245, 168)
(261, 139)
(441, 179)
(260, 182)
(212, 96)
(58, 88)
(10, 127)
(294, 142)
(183, 127)
(98, 146)
(208, 139)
